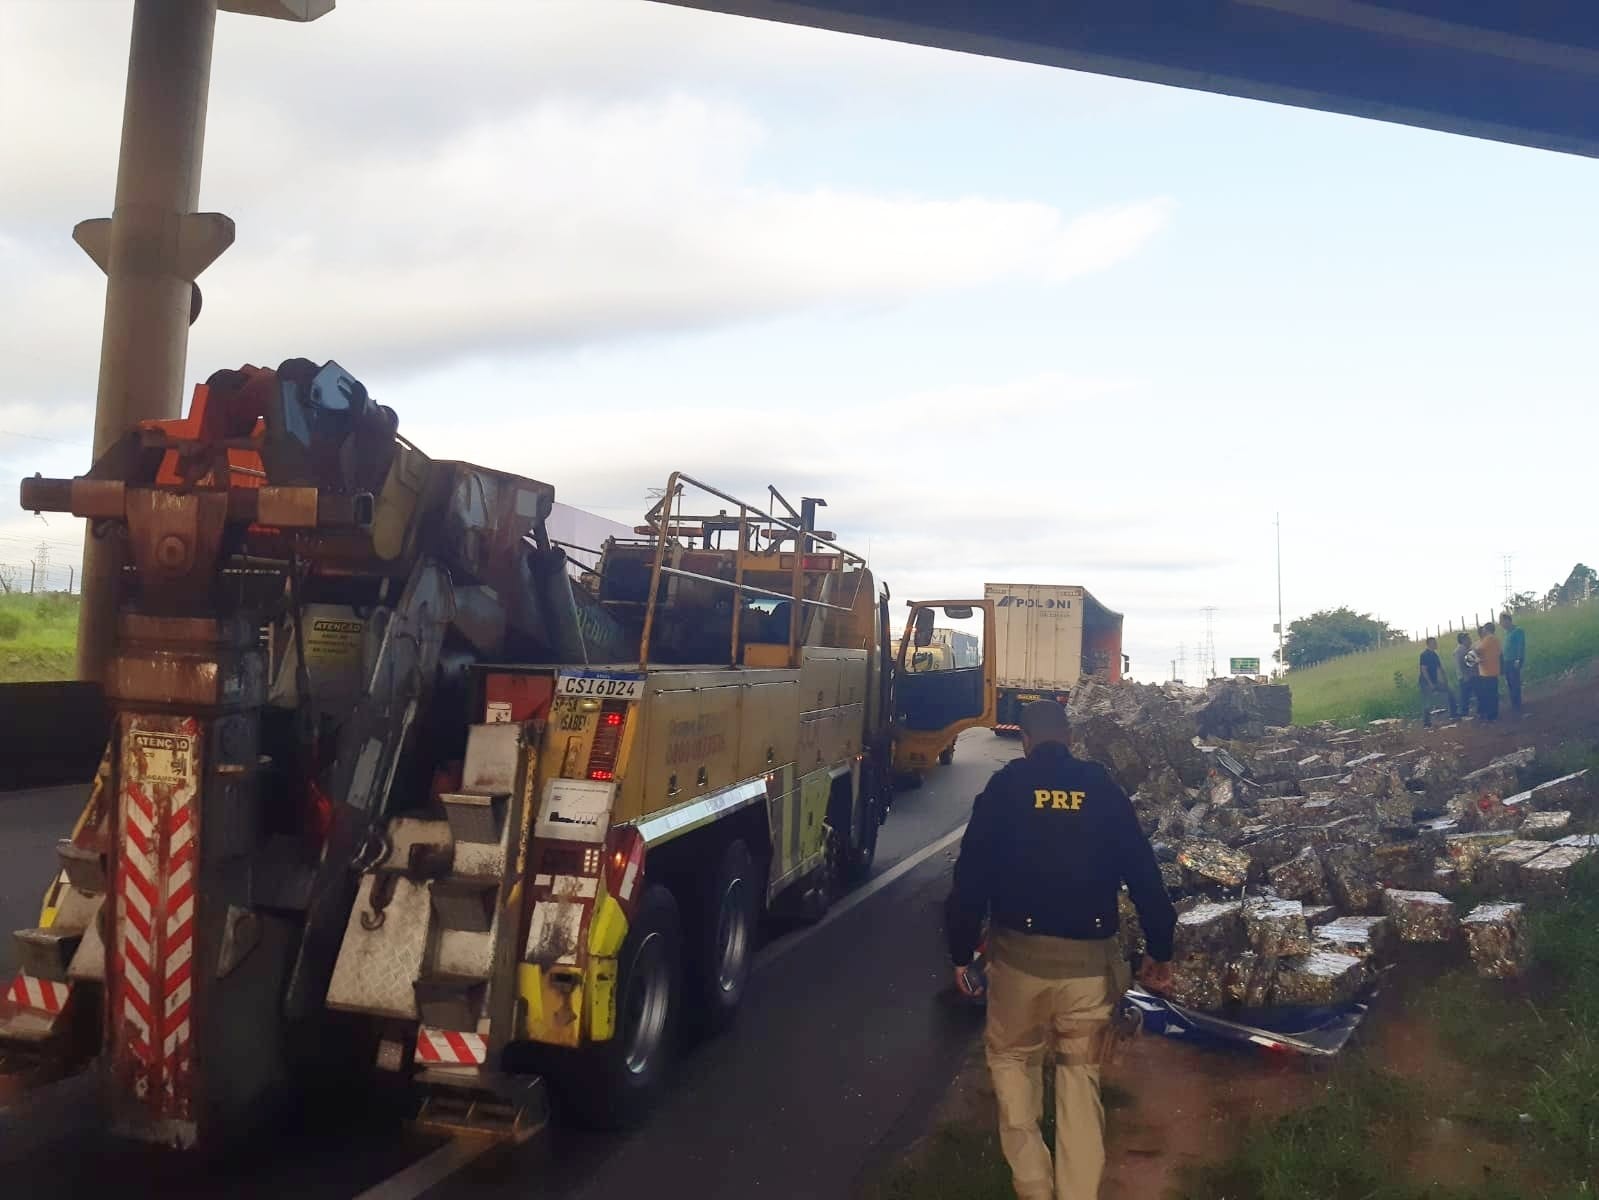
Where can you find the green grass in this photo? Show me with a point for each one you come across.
(1382, 683)
(38, 637)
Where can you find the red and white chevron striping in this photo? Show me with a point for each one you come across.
(40, 995)
(447, 1047)
(154, 947)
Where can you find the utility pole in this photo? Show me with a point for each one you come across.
(1282, 663)
(1510, 591)
(1208, 659)
(42, 564)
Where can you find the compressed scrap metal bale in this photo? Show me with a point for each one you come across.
(1567, 791)
(1249, 979)
(1220, 789)
(1437, 774)
(1199, 982)
(1271, 846)
(1172, 876)
(1321, 978)
(1394, 810)
(1129, 929)
(1276, 928)
(1313, 810)
(1319, 914)
(1354, 883)
(1214, 863)
(1588, 840)
(1498, 777)
(1545, 826)
(1467, 852)
(1302, 877)
(1362, 937)
(1444, 876)
(1550, 873)
(1497, 935)
(1231, 712)
(1276, 703)
(1210, 930)
(1502, 869)
(1408, 862)
(1421, 916)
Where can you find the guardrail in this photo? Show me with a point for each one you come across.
(51, 733)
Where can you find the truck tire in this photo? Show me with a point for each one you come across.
(617, 1082)
(722, 943)
(863, 855)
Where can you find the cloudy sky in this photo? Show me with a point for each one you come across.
(1013, 323)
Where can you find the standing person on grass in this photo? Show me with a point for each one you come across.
(1488, 666)
(1465, 671)
(1050, 842)
(1515, 656)
(1434, 683)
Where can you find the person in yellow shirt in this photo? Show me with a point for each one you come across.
(1489, 659)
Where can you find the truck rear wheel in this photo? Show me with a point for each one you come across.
(618, 1081)
(723, 946)
(862, 856)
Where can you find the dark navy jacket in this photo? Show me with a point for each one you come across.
(1050, 842)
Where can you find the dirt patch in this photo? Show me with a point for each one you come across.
(1169, 1106)
(1554, 714)
(1187, 1106)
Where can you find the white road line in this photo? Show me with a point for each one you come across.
(424, 1173)
(906, 865)
(449, 1158)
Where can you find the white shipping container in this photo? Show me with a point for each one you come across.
(1038, 631)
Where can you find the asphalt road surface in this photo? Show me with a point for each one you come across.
(845, 1043)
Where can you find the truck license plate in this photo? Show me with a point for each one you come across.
(600, 687)
(1028, 698)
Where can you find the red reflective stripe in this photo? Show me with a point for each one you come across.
(184, 854)
(136, 918)
(179, 976)
(142, 801)
(463, 1052)
(137, 837)
(183, 934)
(425, 1049)
(146, 888)
(184, 892)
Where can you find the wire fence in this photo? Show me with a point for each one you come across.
(42, 566)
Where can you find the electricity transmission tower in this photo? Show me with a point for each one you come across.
(1207, 655)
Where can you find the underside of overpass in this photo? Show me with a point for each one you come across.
(1522, 71)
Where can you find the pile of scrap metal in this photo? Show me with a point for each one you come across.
(1302, 861)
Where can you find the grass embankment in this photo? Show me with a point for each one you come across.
(38, 637)
(1382, 683)
(1502, 1104)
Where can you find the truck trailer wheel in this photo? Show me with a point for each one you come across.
(723, 943)
(618, 1081)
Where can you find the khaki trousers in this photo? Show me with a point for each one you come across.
(1027, 1017)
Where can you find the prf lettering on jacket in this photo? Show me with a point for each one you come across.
(1045, 798)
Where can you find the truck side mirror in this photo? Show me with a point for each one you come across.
(923, 624)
